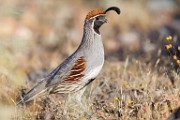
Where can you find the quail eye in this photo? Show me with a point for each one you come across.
(97, 18)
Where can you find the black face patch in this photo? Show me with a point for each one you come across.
(99, 21)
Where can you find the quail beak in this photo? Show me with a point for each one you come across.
(105, 20)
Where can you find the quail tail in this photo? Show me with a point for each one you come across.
(38, 89)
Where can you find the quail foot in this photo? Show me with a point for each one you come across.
(80, 68)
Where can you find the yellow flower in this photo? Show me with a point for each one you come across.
(178, 61)
(174, 57)
(168, 38)
(179, 48)
(129, 101)
(116, 98)
(168, 46)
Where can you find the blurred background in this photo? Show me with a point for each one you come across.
(37, 35)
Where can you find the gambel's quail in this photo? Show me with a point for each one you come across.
(80, 68)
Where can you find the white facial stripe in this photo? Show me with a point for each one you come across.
(96, 16)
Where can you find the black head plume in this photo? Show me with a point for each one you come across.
(116, 9)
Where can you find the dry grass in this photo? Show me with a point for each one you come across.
(127, 90)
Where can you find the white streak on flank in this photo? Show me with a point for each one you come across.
(75, 75)
(96, 16)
